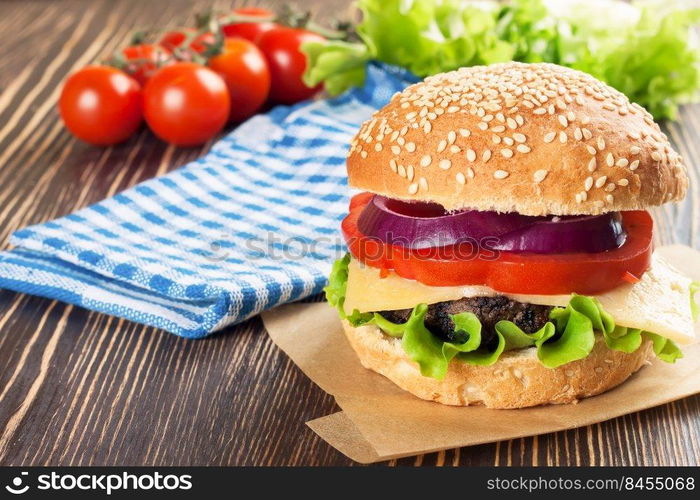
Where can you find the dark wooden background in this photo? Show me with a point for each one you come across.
(82, 388)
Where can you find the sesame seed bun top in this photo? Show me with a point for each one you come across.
(530, 138)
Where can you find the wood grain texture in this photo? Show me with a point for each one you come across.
(77, 387)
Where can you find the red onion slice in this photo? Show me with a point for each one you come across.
(418, 225)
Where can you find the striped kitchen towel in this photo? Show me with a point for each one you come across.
(251, 225)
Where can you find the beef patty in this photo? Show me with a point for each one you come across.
(489, 310)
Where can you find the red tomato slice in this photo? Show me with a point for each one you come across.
(507, 272)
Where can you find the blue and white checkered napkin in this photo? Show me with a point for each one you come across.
(253, 224)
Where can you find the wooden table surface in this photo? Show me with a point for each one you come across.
(82, 388)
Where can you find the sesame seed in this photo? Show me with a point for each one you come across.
(507, 153)
(445, 164)
(453, 109)
(498, 128)
(402, 171)
(610, 187)
(578, 198)
(539, 111)
(410, 147)
(539, 175)
(563, 137)
(586, 133)
(519, 137)
(393, 165)
(634, 135)
(410, 172)
(423, 182)
(441, 146)
(609, 198)
(600, 181)
(410, 116)
(486, 156)
(622, 162)
(451, 137)
(512, 123)
(591, 149)
(508, 141)
(635, 150)
(425, 161)
(549, 137)
(584, 195)
(563, 121)
(500, 174)
(470, 173)
(522, 148)
(460, 178)
(413, 188)
(363, 154)
(578, 135)
(601, 143)
(464, 132)
(592, 165)
(634, 165)
(483, 125)
(401, 141)
(655, 156)
(585, 120)
(588, 184)
(427, 127)
(623, 182)
(471, 155)
(378, 147)
(496, 139)
(610, 160)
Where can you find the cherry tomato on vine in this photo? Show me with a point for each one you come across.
(249, 23)
(141, 61)
(244, 69)
(186, 104)
(287, 63)
(101, 105)
(198, 42)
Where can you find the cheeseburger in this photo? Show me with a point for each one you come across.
(500, 249)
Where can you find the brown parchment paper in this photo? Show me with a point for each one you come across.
(379, 421)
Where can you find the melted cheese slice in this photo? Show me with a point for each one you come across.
(659, 303)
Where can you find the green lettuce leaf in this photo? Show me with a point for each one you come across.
(624, 339)
(665, 349)
(569, 336)
(644, 50)
(694, 307)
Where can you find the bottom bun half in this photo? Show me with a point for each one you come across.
(516, 380)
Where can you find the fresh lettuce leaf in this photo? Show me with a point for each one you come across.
(569, 336)
(694, 307)
(647, 52)
(624, 339)
(665, 349)
(335, 292)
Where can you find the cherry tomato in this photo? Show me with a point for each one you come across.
(247, 77)
(255, 21)
(200, 42)
(101, 105)
(541, 274)
(143, 60)
(186, 104)
(287, 63)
